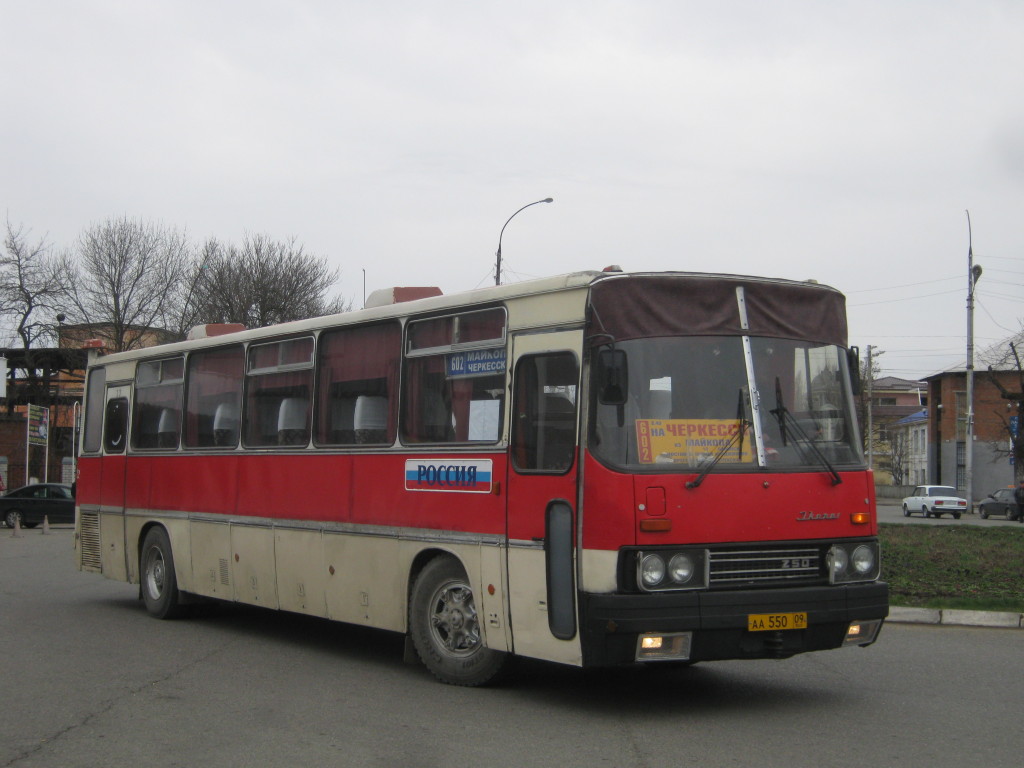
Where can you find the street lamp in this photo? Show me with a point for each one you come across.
(973, 275)
(497, 268)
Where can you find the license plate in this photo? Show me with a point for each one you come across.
(765, 622)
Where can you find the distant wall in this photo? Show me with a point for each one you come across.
(893, 491)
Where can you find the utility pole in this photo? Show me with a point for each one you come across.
(870, 373)
(973, 275)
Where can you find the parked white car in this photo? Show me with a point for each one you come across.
(934, 500)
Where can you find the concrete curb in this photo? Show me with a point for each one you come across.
(953, 617)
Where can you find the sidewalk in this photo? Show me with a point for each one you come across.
(949, 616)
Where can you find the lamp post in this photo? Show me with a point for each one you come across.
(973, 275)
(497, 268)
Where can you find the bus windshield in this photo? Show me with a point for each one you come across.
(727, 404)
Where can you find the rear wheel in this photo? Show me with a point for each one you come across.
(11, 518)
(925, 512)
(159, 584)
(956, 515)
(445, 628)
(906, 511)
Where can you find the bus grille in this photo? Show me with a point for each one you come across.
(745, 566)
(89, 541)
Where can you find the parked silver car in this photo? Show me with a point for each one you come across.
(934, 501)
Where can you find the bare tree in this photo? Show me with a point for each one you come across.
(126, 279)
(867, 376)
(30, 293)
(262, 282)
(1014, 446)
(899, 449)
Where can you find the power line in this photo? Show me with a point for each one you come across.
(907, 298)
(906, 285)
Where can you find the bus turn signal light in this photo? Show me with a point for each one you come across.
(860, 518)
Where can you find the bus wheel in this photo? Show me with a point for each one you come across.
(445, 628)
(159, 585)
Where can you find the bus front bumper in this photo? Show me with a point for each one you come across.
(717, 625)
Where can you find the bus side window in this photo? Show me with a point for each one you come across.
(357, 374)
(213, 397)
(156, 422)
(115, 425)
(544, 428)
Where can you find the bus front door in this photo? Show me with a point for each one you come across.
(542, 494)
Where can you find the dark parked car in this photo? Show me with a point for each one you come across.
(999, 503)
(31, 503)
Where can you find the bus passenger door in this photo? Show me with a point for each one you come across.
(542, 483)
(112, 482)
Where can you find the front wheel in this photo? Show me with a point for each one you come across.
(159, 584)
(445, 628)
(12, 518)
(983, 514)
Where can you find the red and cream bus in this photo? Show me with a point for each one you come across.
(595, 469)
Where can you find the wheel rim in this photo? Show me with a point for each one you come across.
(453, 620)
(12, 519)
(155, 573)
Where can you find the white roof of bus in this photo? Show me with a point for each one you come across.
(463, 299)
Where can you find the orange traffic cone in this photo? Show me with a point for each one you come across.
(46, 524)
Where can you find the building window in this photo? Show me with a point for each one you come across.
(961, 416)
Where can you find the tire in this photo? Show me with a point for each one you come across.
(11, 518)
(156, 574)
(925, 512)
(906, 511)
(956, 515)
(445, 629)
(983, 514)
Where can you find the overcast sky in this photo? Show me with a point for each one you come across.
(841, 141)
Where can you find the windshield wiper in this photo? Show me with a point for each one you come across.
(783, 415)
(737, 438)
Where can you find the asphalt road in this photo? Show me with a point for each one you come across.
(88, 679)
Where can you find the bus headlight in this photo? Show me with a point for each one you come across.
(838, 561)
(680, 568)
(671, 569)
(863, 560)
(853, 561)
(652, 570)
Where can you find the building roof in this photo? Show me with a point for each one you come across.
(894, 383)
(914, 418)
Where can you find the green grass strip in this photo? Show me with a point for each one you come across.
(954, 566)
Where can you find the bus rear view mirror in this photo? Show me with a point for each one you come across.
(613, 377)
